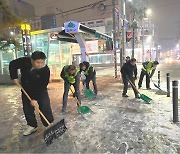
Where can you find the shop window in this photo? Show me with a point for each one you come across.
(90, 23)
(99, 21)
(109, 22)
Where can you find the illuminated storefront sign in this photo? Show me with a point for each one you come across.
(71, 27)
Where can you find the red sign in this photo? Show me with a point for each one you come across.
(129, 34)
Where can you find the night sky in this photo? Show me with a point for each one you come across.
(166, 16)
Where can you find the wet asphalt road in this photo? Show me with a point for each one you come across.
(172, 68)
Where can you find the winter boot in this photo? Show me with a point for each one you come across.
(124, 95)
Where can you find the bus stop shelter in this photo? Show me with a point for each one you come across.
(61, 41)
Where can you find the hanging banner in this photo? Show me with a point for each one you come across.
(129, 36)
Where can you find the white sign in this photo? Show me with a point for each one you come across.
(159, 47)
(71, 27)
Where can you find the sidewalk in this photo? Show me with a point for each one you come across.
(117, 125)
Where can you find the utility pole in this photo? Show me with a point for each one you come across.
(114, 36)
(123, 13)
(133, 42)
(134, 25)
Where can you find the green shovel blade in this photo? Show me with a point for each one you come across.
(83, 109)
(88, 93)
(145, 98)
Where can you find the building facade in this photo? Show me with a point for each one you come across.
(48, 21)
(94, 13)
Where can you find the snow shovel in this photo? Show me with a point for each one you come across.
(81, 109)
(142, 96)
(155, 85)
(88, 93)
(52, 132)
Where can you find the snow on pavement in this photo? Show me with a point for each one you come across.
(117, 125)
(120, 125)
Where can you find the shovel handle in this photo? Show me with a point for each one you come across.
(152, 81)
(133, 85)
(75, 97)
(35, 105)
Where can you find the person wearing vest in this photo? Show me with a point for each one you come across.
(34, 79)
(71, 76)
(83, 77)
(129, 72)
(90, 74)
(148, 69)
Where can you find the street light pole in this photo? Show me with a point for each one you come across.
(114, 36)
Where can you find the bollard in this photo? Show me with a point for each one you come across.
(175, 101)
(158, 78)
(168, 84)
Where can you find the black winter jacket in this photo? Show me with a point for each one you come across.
(34, 81)
(129, 70)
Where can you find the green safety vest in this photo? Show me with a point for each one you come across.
(149, 67)
(86, 72)
(71, 78)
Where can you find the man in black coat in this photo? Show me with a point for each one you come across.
(34, 79)
(90, 74)
(129, 72)
(128, 59)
